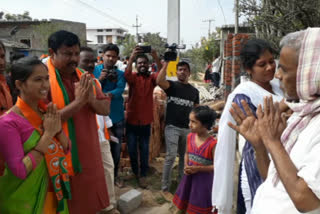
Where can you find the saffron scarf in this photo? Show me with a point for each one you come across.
(308, 89)
(60, 97)
(55, 157)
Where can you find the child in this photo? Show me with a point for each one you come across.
(193, 195)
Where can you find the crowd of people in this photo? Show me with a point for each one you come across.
(64, 119)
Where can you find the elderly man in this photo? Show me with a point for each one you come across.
(293, 178)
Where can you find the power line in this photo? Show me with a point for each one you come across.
(224, 18)
(103, 13)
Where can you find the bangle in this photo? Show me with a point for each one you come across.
(27, 163)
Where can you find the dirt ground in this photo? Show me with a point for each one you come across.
(152, 200)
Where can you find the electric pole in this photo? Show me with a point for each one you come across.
(236, 16)
(137, 29)
(209, 31)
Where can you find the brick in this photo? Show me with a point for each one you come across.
(129, 201)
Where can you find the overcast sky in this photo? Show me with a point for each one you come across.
(114, 13)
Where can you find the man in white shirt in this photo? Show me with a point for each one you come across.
(292, 184)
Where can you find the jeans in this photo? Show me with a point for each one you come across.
(176, 140)
(118, 131)
(138, 135)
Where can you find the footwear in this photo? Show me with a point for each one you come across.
(119, 182)
(167, 195)
(142, 182)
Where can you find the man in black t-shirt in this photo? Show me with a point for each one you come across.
(181, 98)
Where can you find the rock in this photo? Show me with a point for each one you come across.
(129, 201)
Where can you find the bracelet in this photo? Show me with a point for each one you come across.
(27, 163)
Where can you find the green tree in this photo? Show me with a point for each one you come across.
(200, 55)
(272, 19)
(18, 17)
(156, 41)
(128, 44)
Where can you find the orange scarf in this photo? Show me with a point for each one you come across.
(61, 99)
(55, 157)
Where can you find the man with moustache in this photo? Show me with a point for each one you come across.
(113, 83)
(181, 98)
(288, 149)
(140, 111)
(78, 102)
(87, 62)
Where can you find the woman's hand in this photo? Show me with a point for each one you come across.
(188, 170)
(52, 121)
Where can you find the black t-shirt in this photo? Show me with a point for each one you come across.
(181, 99)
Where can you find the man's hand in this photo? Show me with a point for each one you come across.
(247, 124)
(82, 88)
(154, 53)
(271, 122)
(137, 50)
(103, 75)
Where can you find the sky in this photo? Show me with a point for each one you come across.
(152, 14)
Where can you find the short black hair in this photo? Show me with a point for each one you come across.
(183, 63)
(62, 37)
(141, 55)
(16, 56)
(23, 68)
(205, 115)
(2, 46)
(252, 51)
(85, 48)
(110, 47)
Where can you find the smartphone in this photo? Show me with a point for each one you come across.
(145, 48)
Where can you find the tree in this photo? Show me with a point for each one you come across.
(156, 41)
(128, 44)
(201, 54)
(272, 19)
(18, 17)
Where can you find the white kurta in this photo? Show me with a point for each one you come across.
(306, 157)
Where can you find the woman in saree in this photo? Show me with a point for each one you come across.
(258, 61)
(34, 147)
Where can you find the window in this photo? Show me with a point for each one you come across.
(99, 30)
(109, 39)
(26, 42)
(100, 39)
(108, 30)
(119, 31)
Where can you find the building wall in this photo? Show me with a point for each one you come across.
(107, 37)
(38, 32)
(232, 62)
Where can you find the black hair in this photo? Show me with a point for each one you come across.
(2, 46)
(184, 63)
(62, 37)
(205, 115)
(16, 56)
(84, 48)
(252, 51)
(141, 55)
(110, 47)
(23, 68)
